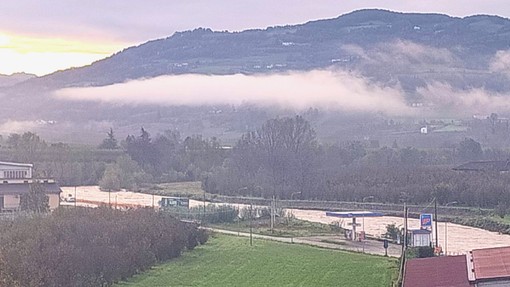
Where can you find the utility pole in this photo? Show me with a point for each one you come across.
(446, 231)
(251, 225)
(435, 215)
(204, 210)
(272, 213)
(404, 247)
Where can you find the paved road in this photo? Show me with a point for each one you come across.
(371, 246)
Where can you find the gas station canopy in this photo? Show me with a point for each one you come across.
(353, 214)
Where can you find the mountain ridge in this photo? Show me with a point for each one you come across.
(435, 55)
(306, 46)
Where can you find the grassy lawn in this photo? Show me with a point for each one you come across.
(285, 227)
(231, 261)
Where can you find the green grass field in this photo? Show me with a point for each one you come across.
(231, 261)
(285, 227)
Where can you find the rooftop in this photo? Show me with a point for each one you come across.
(445, 271)
(16, 164)
(491, 263)
(351, 214)
(420, 231)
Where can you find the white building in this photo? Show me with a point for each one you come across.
(16, 180)
(420, 237)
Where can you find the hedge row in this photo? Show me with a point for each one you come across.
(89, 247)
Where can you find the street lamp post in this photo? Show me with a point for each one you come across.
(251, 225)
(364, 235)
(446, 230)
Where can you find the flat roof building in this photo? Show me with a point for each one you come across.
(16, 180)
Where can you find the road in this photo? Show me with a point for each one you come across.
(371, 246)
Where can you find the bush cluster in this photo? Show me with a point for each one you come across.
(213, 213)
(89, 247)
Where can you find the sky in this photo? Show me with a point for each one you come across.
(43, 36)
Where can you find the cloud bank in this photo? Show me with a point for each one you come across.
(501, 63)
(325, 89)
(331, 90)
(11, 126)
(449, 101)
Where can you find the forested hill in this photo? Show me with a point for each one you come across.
(387, 46)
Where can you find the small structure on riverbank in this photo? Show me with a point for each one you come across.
(354, 215)
(420, 237)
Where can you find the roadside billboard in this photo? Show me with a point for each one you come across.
(426, 221)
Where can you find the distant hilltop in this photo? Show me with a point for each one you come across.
(389, 47)
(13, 79)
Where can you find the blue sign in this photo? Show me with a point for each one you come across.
(426, 220)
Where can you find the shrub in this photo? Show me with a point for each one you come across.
(89, 247)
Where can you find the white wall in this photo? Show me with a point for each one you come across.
(11, 201)
(54, 201)
(5, 168)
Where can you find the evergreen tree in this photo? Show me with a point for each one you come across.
(110, 142)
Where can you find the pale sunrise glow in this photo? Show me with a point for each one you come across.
(42, 56)
(4, 40)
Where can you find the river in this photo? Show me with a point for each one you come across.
(461, 239)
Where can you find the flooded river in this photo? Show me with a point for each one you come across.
(460, 240)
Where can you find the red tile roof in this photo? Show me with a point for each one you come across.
(445, 271)
(491, 263)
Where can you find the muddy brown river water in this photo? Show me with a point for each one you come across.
(461, 239)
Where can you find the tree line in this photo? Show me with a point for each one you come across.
(282, 158)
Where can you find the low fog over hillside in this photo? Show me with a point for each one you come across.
(365, 68)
